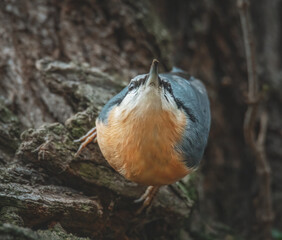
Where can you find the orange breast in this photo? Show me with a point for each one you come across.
(141, 147)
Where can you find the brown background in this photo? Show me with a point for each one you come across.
(119, 38)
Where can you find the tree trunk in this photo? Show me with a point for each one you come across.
(60, 61)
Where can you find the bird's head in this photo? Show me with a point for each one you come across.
(149, 92)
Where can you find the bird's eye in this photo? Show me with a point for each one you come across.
(132, 85)
(136, 83)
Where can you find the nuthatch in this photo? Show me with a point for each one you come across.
(155, 130)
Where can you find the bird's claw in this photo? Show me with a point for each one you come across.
(147, 198)
(86, 139)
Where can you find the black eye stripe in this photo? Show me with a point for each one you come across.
(187, 110)
(166, 85)
(132, 85)
(136, 83)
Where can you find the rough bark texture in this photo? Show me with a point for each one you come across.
(60, 61)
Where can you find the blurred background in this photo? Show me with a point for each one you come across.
(116, 40)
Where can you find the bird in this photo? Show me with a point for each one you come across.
(154, 132)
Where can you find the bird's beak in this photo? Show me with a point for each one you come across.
(153, 78)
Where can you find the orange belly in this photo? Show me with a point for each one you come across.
(143, 148)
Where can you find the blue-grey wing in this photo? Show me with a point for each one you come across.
(116, 100)
(190, 95)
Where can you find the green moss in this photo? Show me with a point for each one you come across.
(158, 30)
(85, 208)
(188, 187)
(56, 128)
(276, 234)
(89, 171)
(25, 134)
(97, 174)
(154, 26)
(9, 129)
(6, 116)
(10, 215)
(161, 38)
(82, 122)
(9, 231)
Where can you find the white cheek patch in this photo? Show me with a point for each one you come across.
(143, 97)
(130, 100)
(146, 99)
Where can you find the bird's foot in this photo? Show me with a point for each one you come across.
(86, 139)
(147, 198)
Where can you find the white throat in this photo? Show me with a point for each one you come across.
(146, 99)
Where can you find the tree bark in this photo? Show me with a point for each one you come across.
(60, 61)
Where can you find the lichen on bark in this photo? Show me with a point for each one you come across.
(80, 193)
